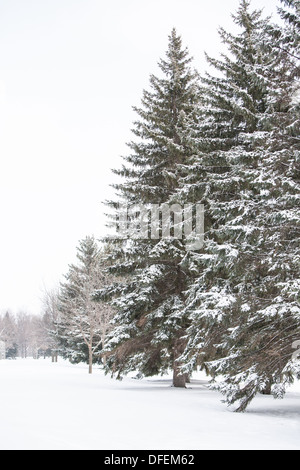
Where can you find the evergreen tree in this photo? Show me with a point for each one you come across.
(271, 326)
(245, 297)
(149, 323)
(82, 323)
(289, 35)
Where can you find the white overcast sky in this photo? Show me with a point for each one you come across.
(70, 72)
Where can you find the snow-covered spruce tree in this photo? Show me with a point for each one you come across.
(83, 322)
(290, 35)
(149, 324)
(243, 307)
(264, 356)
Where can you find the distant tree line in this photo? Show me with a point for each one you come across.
(25, 335)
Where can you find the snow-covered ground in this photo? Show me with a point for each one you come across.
(45, 405)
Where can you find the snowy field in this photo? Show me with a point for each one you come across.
(45, 405)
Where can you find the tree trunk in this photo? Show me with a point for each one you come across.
(104, 359)
(267, 389)
(187, 379)
(90, 360)
(102, 346)
(179, 379)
